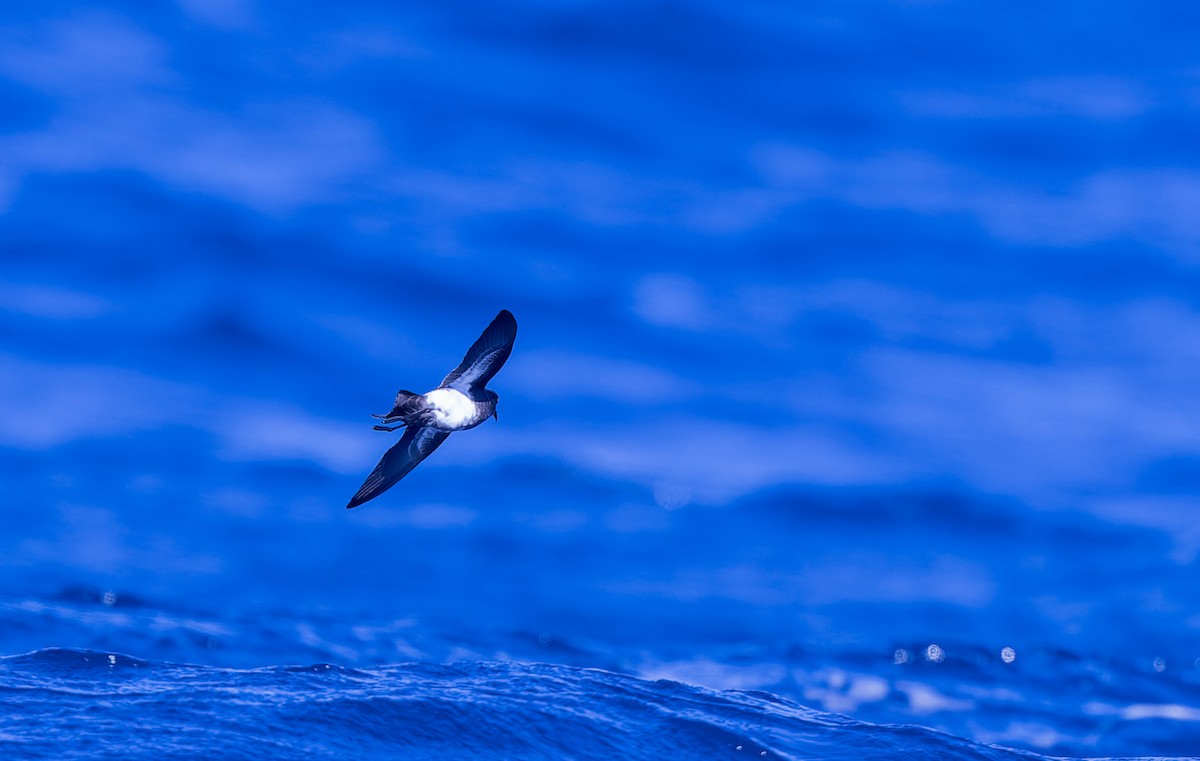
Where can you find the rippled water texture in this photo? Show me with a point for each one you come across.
(89, 704)
(850, 414)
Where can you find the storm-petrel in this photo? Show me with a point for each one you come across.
(458, 403)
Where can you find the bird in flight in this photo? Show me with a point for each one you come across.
(458, 403)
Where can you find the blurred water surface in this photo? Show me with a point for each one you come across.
(856, 359)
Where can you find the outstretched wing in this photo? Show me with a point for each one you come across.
(486, 356)
(414, 446)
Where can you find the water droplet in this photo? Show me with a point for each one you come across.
(738, 748)
(1008, 655)
(1160, 665)
(934, 654)
(901, 656)
(109, 599)
(112, 660)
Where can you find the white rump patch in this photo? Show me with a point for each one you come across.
(452, 409)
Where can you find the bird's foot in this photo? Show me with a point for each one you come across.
(390, 418)
(388, 428)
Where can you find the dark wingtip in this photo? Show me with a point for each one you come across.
(505, 322)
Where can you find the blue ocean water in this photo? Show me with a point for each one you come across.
(477, 710)
(850, 414)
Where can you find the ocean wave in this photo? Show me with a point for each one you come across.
(74, 703)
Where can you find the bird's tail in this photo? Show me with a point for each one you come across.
(407, 406)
